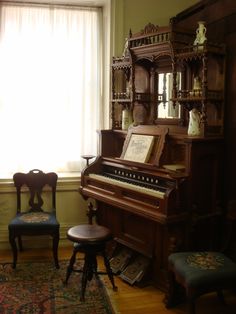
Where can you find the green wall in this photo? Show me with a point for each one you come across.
(135, 14)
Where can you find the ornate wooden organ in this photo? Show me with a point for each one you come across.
(172, 200)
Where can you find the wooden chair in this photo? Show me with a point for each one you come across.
(89, 239)
(200, 273)
(33, 221)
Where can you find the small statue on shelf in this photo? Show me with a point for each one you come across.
(128, 89)
(126, 49)
(196, 83)
(126, 118)
(200, 34)
(194, 126)
(197, 87)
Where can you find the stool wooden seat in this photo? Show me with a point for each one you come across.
(90, 239)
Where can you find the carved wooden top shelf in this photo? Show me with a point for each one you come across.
(155, 38)
(153, 35)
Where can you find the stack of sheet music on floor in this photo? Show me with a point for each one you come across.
(129, 265)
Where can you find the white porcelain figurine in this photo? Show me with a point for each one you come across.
(194, 126)
(200, 34)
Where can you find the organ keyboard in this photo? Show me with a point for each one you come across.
(128, 185)
(148, 193)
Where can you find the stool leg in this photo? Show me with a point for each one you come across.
(94, 265)
(109, 270)
(86, 274)
(89, 268)
(70, 266)
(169, 299)
(175, 293)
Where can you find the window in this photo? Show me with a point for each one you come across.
(51, 86)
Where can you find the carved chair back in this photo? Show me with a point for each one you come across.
(35, 181)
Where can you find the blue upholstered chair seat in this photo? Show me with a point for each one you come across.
(203, 270)
(34, 220)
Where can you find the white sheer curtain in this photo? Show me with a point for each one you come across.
(50, 87)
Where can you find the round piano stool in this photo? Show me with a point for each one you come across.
(90, 239)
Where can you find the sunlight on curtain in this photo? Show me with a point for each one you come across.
(50, 95)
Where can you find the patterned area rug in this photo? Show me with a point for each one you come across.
(37, 287)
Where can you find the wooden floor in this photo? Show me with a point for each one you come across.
(132, 299)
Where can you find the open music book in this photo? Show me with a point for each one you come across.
(139, 148)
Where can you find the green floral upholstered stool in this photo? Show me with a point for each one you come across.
(199, 273)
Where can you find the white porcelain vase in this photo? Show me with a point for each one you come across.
(200, 34)
(194, 126)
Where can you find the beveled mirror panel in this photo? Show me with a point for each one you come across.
(165, 108)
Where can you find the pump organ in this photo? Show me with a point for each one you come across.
(173, 200)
